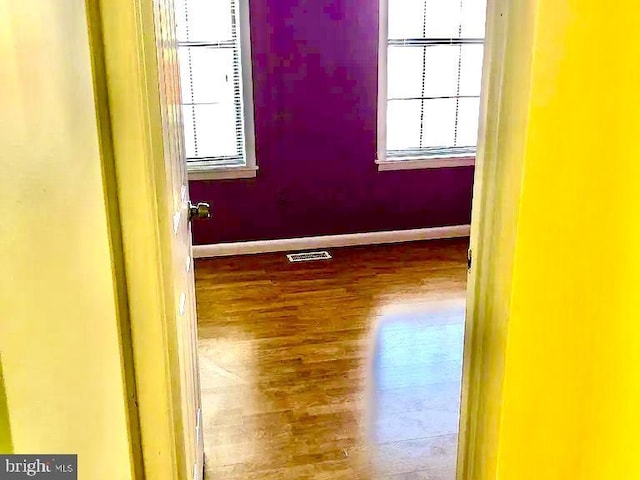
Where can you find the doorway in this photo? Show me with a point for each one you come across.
(288, 199)
(370, 362)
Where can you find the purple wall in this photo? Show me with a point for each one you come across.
(315, 81)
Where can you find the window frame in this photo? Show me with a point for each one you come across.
(407, 163)
(209, 170)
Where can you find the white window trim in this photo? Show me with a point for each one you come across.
(425, 162)
(384, 164)
(197, 171)
(207, 172)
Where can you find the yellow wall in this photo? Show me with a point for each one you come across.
(59, 341)
(5, 430)
(571, 393)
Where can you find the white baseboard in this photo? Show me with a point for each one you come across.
(328, 241)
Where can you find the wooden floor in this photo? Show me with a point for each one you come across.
(338, 369)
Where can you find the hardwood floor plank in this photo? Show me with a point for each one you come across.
(433, 474)
(341, 369)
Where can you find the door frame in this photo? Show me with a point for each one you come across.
(502, 137)
(481, 220)
(126, 74)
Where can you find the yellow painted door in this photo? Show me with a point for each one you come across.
(137, 82)
(178, 205)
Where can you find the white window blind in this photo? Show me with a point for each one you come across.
(213, 105)
(434, 65)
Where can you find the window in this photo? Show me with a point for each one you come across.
(430, 71)
(217, 105)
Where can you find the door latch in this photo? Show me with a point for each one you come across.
(200, 210)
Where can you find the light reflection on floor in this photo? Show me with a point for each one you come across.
(416, 368)
(348, 369)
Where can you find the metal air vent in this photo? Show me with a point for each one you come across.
(308, 256)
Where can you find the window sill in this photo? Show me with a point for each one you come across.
(418, 163)
(219, 173)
